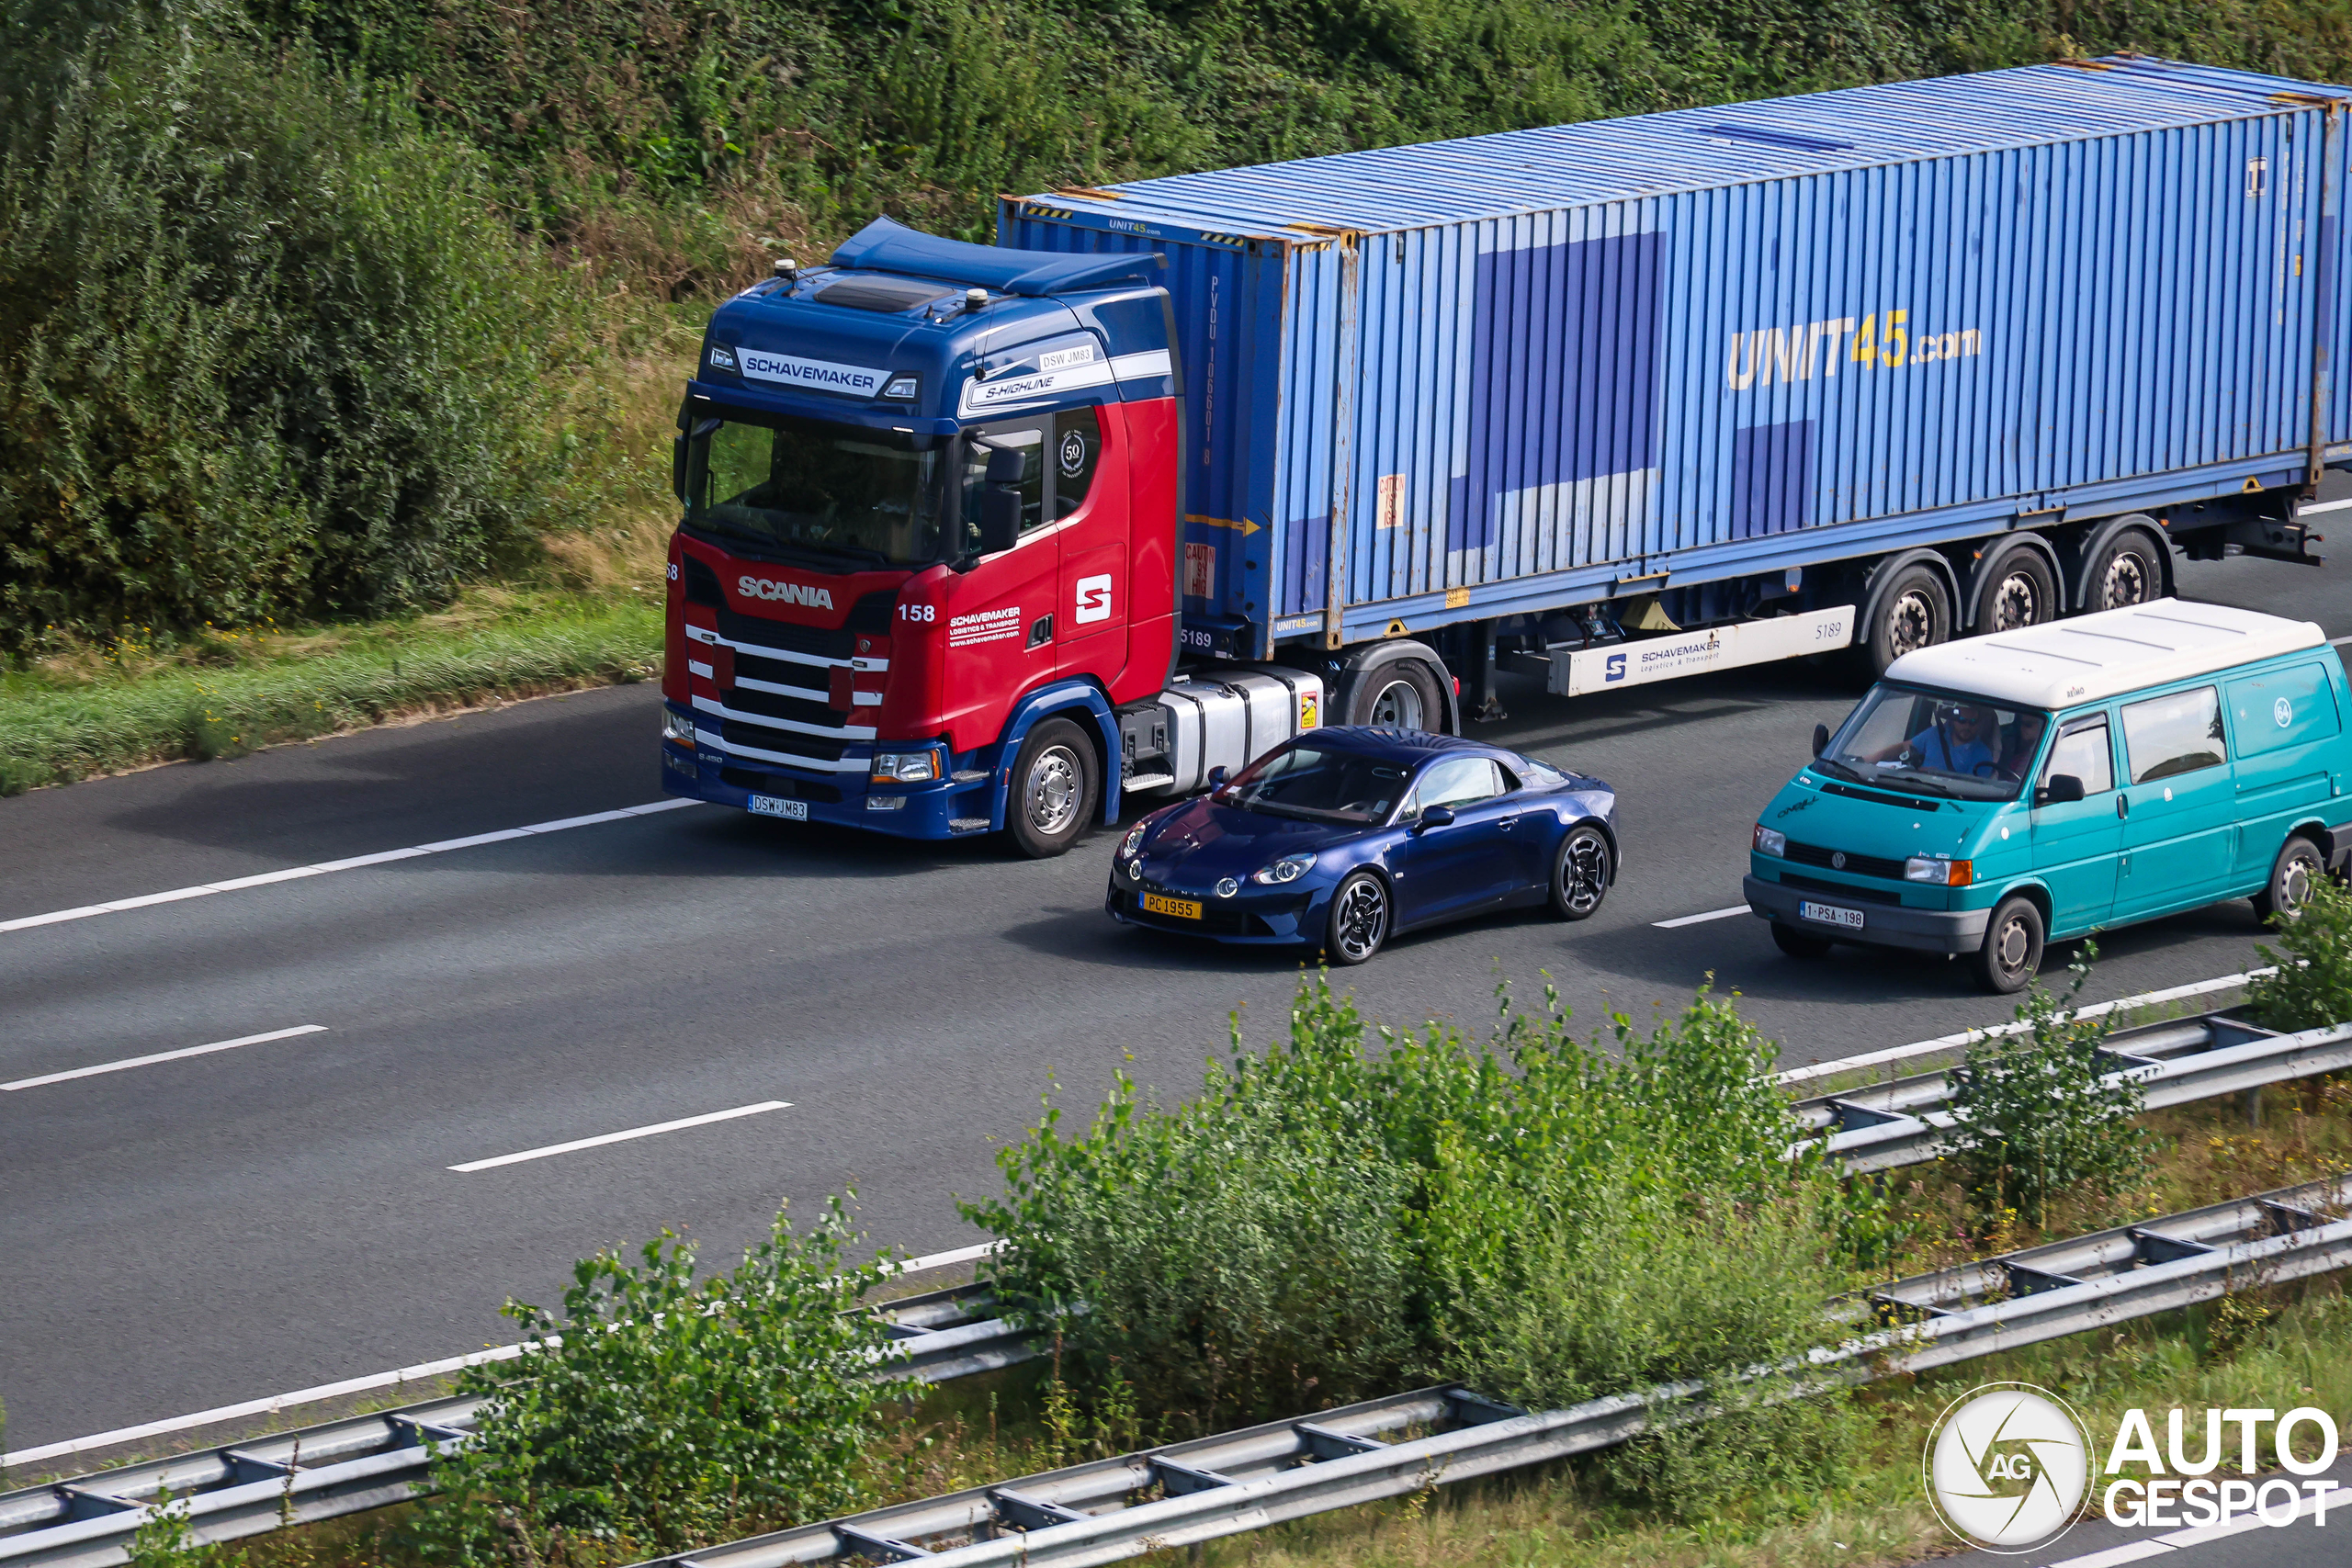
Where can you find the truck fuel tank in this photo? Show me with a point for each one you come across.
(1217, 717)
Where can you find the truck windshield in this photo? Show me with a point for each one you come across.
(1937, 743)
(840, 495)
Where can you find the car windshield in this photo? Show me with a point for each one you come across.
(838, 494)
(1937, 743)
(1323, 783)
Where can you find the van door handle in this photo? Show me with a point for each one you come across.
(2123, 804)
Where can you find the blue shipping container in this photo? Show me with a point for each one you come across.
(1477, 377)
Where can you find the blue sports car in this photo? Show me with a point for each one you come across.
(1344, 837)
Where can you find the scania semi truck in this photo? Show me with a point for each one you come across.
(992, 538)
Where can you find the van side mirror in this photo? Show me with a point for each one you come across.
(2061, 789)
(999, 517)
(1820, 739)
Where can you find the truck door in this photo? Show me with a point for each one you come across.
(2076, 842)
(1001, 620)
(2180, 832)
(1093, 548)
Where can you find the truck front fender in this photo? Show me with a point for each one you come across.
(1067, 699)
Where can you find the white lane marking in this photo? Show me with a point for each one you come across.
(1696, 920)
(2339, 641)
(295, 873)
(2177, 1540)
(603, 1138)
(130, 1062)
(2311, 507)
(277, 1403)
(1970, 1036)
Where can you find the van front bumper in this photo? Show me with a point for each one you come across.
(1884, 925)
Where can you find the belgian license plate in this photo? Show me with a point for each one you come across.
(1832, 915)
(797, 810)
(1183, 908)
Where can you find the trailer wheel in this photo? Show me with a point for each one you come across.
(2021, 592)
(1915, 612)
(1402, 695)
(2129, 570)
(1056, 788)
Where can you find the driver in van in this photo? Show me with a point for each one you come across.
(1955, 743)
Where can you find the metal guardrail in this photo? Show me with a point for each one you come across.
(1187, 1493)
(371, 1462)
(1908, 1121)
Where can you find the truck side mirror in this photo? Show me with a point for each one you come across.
(2061, 789)
(999, 517)
(678, 467)
(1217, 777)
(1820, 739)
(1005, 464)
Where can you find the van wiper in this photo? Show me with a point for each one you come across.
(1837, 770)
(1923, 786)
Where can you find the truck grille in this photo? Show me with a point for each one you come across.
(1859, 865)
(759, 631)
(807, 677)
(771, 705)
(788, 742)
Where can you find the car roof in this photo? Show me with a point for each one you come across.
(1411, 747)
(2094, 656)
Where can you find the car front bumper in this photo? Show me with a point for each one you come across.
(1267, 918)
(1884, 925)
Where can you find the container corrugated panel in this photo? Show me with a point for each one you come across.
(1520, 368)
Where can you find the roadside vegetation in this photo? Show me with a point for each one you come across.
(316, 317)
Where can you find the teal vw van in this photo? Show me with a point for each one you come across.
(1992, 793)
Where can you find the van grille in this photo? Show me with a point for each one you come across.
(1859, 865)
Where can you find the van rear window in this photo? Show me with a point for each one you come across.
(2175, 734)
(2283, 707)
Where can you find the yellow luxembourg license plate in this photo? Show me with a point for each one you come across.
(1183, 908)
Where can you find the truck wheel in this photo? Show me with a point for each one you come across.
(1402, 695)
(1582, 873)
(2129, 570)
(1797, 944)
(2021, 592)
(1359, 919)
(1056, 786)
(2292, 876)
(2011, 956)
(1915, 612)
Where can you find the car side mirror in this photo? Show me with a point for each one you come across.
(999, 517)
(1217, 777)
(2061, 789)
(1435, 817)
(1820, 739)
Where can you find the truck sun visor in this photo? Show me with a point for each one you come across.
(885, 246)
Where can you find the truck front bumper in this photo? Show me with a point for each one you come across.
(1884, 925)
(945, 810)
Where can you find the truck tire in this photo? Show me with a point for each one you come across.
(2297, 870)
(1360, 917)
(1055, 789)
(1403, 695)
(2128, 570)
(1914, 613)
(2011, 956)
(2019, 590)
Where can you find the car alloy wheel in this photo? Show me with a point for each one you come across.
(1359, 918)
(1580, 880)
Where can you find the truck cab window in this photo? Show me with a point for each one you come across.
(1078, 446)
(1027, 438)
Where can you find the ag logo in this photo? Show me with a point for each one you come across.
(2005, 1467)
(1073, 453)
(2283, 711)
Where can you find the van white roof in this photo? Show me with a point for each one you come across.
(2094, 656)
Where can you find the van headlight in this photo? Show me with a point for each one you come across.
(1769, 842)
(678, 726)
(1942, 870)
(1290, 868)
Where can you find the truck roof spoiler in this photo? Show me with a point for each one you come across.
(886, 246)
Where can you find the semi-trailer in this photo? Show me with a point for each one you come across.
(983, 537)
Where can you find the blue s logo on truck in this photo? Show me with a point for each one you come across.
(1616, 670)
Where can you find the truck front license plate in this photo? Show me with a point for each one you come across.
(1183, 908)
(797, 810)
(1831, 915)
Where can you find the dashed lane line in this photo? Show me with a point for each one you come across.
(186, 1051)
(601, 1139)
(1697, 919)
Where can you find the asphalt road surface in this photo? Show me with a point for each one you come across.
(213, 1228)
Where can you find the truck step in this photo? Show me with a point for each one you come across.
(969, 775)
(1147, 781)
(967, 825)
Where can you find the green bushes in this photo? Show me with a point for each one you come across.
(1545, 1218)
(2314, 986)
(661, 1412)
(265, 348)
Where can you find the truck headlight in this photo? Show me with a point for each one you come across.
(1769, 842)
(1940, 870)
(1290, 868)
(906, 767)
(678, 726)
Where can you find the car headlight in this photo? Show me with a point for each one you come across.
(1133, 843)
(906, 767)
(1290, 868)
(1940, 870)
(1769, 842)
(678, 726)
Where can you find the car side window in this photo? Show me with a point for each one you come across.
(1456, 781)
(2084, 750)
(2175, 734)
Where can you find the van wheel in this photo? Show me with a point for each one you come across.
(1797, 944)
(2129, 570)
(1915, 612)
(1056, 788)
(2011, 956)
(2021, 592)
(2292, 876)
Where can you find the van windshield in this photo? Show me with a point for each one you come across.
(1937, 743)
